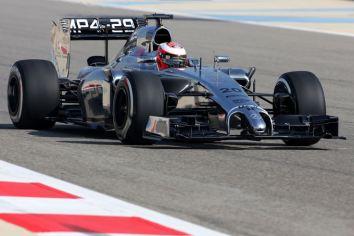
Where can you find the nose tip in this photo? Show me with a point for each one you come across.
(257, 123)
(260, 130)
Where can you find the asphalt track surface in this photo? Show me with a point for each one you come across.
(240, 188)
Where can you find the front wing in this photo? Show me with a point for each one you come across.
(284, 127)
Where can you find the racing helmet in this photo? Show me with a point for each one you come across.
(171, 55)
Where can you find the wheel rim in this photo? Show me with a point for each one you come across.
(122, 108)
(14, 96)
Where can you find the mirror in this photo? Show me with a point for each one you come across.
(221, 59)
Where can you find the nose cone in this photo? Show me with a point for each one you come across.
(252, 117)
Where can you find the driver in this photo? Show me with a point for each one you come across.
(171, 55)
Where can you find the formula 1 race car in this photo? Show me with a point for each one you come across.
(144, 103)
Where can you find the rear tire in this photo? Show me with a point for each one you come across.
(138, 95)
(33, 94)
(306, 98)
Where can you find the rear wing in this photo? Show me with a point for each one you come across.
(107, 28)
(92, 28)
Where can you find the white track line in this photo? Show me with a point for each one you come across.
(90, 202)
(257, 23)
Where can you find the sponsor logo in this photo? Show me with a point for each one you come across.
(116, 25)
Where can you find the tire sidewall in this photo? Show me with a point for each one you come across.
(15, 74)
(123, 84)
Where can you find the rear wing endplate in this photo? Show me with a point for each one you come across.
(60, 40)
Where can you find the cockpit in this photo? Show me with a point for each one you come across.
(146, 40)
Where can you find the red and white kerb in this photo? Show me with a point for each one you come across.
(46, 206)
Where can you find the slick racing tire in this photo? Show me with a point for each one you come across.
(33, 94)
(138, 95)
(306, 98)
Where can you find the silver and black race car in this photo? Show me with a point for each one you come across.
(143, 104)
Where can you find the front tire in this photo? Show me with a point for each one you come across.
(32, 94)
(306, 98)
(138, 95)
